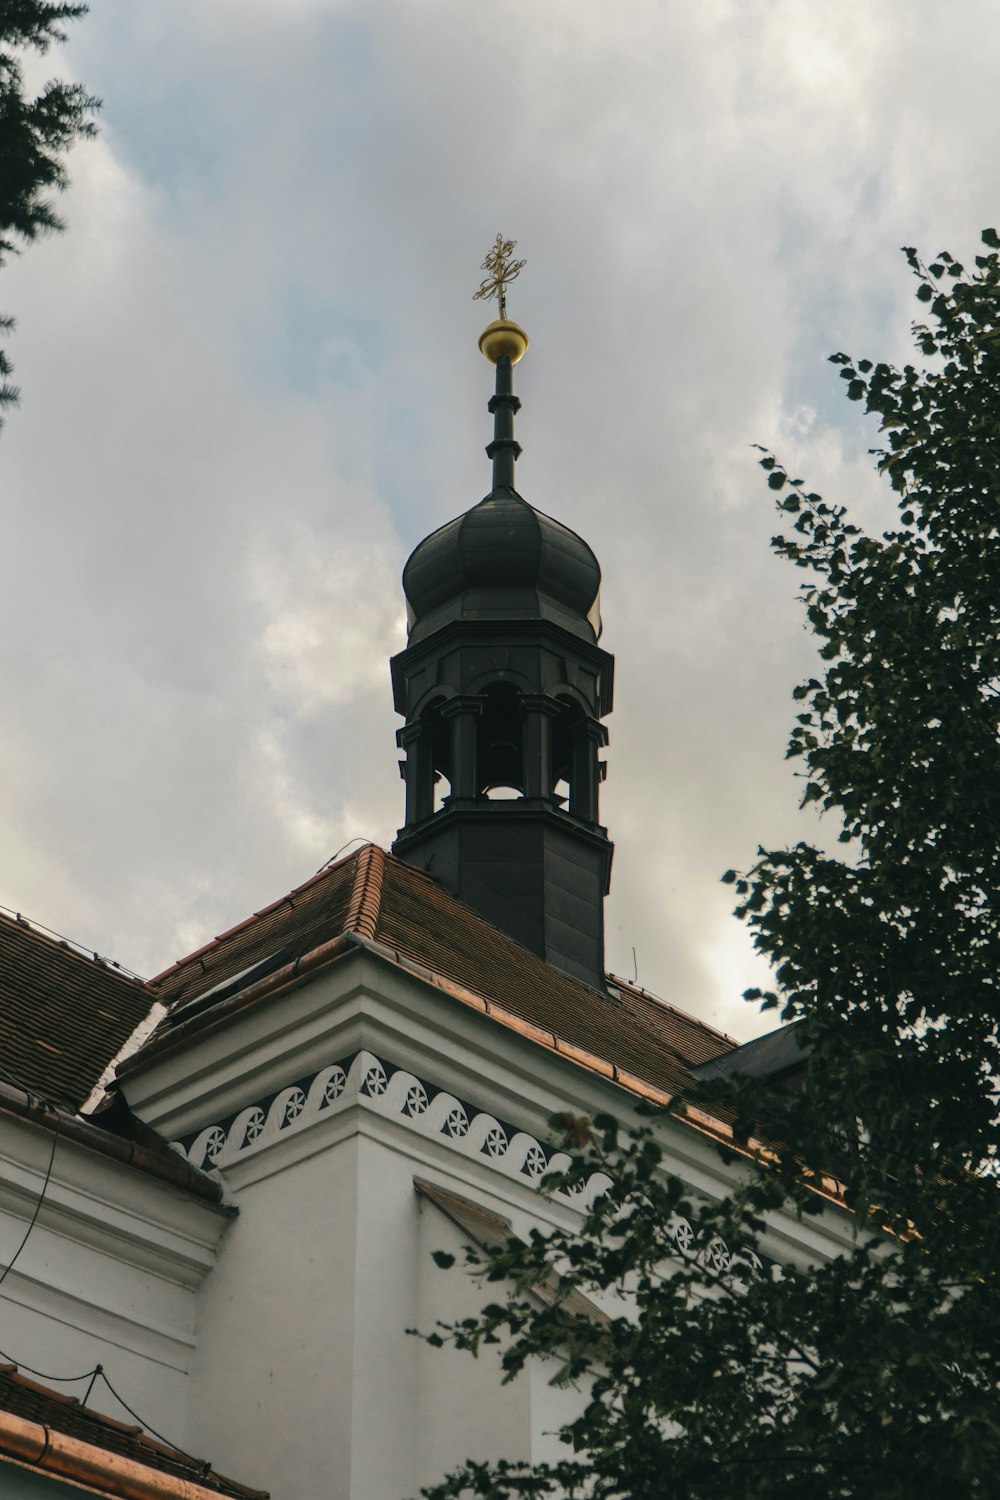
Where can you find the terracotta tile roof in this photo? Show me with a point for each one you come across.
(63, 1016)
(309, 915)
(26, 1398)
(404, 914)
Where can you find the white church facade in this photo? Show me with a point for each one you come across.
(220, 1190)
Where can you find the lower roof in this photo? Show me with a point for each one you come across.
(23, 1397)
(115, 1133)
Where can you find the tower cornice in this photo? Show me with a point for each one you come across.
(482, 633)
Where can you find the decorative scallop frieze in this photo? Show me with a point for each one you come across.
(388, 1090)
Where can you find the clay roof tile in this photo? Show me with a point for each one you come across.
(63, 1015)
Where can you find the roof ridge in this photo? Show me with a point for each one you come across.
(365, 906)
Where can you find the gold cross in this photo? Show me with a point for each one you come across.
(502, 268)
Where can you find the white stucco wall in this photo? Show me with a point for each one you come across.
(465, 1411)
(108, 1275)
(305, 1381)
(271, 1383)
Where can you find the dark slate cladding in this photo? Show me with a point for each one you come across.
(63, 1016)
(779, 1057)
(503, 558)
(530, 874)
(635, 1031)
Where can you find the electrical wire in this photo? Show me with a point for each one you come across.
(62, 1101)
(359, 838)
(81, 948)
(203, 1465)
(38, 1206)
(45, 1374)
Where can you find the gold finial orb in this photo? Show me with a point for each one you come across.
(503, 335)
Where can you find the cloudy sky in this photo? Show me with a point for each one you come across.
(251, 385)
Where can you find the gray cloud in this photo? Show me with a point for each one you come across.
(251, 385)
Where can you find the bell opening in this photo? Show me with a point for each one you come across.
(501, 742)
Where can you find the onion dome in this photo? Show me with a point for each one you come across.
(503, 559)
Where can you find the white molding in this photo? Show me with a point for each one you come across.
(162, 1343)
(112, 1256)
(104, 1204)
(306, 1119)
(371, 1083)
(363, 1005)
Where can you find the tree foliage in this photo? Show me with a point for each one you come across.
(873, 1371)
(35, 133)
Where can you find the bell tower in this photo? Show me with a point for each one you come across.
(503, 687)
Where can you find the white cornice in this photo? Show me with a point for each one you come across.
(96, 1201)
(99, 1248)
(231, 1084)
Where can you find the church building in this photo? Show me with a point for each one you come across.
(221, 1189)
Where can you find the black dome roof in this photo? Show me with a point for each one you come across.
(503, 559)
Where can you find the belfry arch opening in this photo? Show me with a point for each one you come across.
(439, 737)
(442, 790)
(500, 759)
(576, 771)
(570, 715)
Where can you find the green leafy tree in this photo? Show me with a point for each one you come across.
(35, 134)
(876, 1371)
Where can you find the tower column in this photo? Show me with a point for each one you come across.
(464, 713)
(418, 770)
(588, 737)
(538, 712)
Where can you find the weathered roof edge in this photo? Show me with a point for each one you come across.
(284, 978)
(169, 1167)
(286, 900)
(132, 1043)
